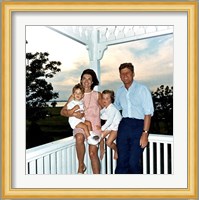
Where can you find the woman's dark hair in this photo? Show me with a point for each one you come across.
(94, 77)
(112, 95)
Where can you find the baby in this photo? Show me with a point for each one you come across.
(77, 105)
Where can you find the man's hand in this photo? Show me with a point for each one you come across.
(144, 140)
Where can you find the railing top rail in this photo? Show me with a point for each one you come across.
(160, 138)
(48, 148)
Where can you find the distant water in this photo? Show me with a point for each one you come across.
(59, 103)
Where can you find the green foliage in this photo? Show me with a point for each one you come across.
(162, 121)
(53, 127)
(38, 90)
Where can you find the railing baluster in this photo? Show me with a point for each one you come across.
(47, 164)
(64, 161)
(73, 156)
(114, 165)
(108, 160)
(103, 161)
(68, 160)
(53, 163)
(103, 166)
(158, 158)
(151, 158)
(145, 161)
(165, 158)
(114, 162)
(40, 165)
(87, 159)
(32, 167)
(172, 169)
(59, 162)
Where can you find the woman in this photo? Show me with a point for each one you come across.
(92, 103)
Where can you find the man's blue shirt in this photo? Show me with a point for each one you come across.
(136, 102)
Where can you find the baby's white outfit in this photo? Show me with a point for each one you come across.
(112, 116)
(73, 121)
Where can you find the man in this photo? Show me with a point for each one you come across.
(135, 102)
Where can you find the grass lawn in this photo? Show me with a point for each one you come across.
(53, 127)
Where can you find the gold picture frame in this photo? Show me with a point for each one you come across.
(8, 8)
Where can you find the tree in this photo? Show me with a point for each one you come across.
(38, 90)
(162, 121)
(53, 104)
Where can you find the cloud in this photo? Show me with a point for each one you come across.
(152, 58)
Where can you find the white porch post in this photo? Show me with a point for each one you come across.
(95, 51)
(92, 50)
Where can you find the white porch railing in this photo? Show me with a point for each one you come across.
(59, 157)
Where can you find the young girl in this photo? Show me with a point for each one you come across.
(77, 105)
(112, 117)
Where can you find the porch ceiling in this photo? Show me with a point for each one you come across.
(98, 38)
(110, 35)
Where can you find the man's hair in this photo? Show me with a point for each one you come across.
(126, 65)
(111, 92)
(78, 86)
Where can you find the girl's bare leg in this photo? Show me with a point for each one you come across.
(80, 148)
(111, 144)
(102, 150)
(95, 163)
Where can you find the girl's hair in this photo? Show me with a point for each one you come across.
(94, 77)
(78, 86)
(127, 65)
(111, 92)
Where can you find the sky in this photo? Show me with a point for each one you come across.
(152, 59)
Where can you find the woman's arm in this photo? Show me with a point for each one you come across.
(70, 112)
(100, 99)
(64, 111)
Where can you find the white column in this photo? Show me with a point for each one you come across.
(93, 52)
(96, 51)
